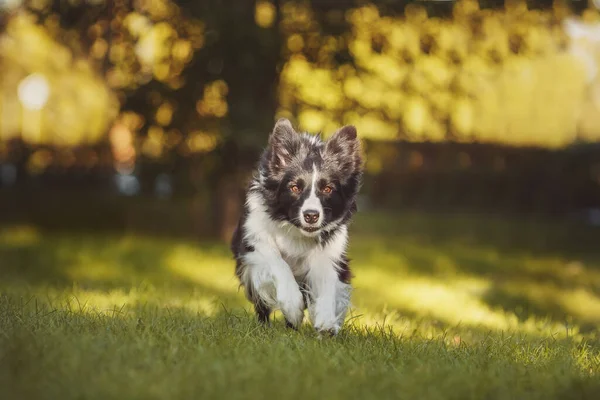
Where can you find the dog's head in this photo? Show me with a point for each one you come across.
(308, 182)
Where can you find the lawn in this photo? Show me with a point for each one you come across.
(445, 307)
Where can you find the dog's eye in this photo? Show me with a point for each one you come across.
(295, 189)
(327, 189)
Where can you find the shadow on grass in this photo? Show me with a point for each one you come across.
(532, 268)
(507, 235)
(103, 264)
(525, 268)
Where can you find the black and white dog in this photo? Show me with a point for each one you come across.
(290, 243)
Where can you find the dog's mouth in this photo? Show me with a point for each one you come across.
(310, 229)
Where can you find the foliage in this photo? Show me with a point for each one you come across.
(30, 48)
(444, 307)
(117, 71)
(487, 75)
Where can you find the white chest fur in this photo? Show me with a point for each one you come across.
(295, 248)
(281, 255)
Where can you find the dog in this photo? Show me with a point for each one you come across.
(291, 241)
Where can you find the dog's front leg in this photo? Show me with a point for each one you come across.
(329, 297)
(272, 280)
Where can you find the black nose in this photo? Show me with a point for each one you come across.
(311, 216)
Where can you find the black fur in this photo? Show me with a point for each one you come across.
(338, 160)
(289, 160)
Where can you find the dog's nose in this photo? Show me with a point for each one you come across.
(311, 216)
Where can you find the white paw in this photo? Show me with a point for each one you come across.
(291, 303)
(327, 329)
(325, 319)
(327, 326)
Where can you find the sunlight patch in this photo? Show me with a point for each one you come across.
(210, 271)
(457, 301)
(20, 235)
(121, 303)
(583, 304)
(94, 270)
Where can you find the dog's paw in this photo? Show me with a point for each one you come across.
(327, 328)
(324, 318)
(289, 325)
(291, 303)
(327, 333)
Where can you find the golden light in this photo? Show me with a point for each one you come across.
(10, 4)
(153, 45)
(201, 142)
(353, 87)
(154, 143)
(462, 116)
(295, 43)
(161, 71)
(39, 161)
(121, 140)
(182, 50)
(164, 114)
(213, 103)
(416, 115)
(33, 92)
(504, 91)
(312, 120)
(99, 48)
(137, 24)
(264, 14)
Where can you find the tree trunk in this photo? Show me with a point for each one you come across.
(228, 207)
(250, 57)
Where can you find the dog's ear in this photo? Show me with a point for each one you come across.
(284, 143)
(344, 148)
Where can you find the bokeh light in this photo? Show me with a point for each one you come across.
(34, 91)
(264, 13)
(472, 75)
(8, 5)
(483, 75)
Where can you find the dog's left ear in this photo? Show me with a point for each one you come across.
(344, 147)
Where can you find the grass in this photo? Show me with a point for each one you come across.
(445, 307)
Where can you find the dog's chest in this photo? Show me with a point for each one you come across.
(295, 251)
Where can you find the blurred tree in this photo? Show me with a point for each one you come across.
(402, 71)
(193, 84)
(244, 52)
(193, 88)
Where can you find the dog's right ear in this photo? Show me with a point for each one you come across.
(284, 143)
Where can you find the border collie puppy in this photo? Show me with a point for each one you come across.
(290, 243)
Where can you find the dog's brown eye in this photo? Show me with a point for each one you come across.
(327, 189)
(295, 189)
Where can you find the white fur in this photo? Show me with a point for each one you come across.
(283, 253)
(266, 269)
(313, 139)
(329, 296)
(312, 202)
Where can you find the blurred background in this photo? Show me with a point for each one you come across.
(480, 122)
(149, 115)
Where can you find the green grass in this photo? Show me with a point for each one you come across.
(445, 307)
